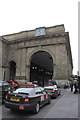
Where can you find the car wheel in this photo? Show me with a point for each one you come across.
(49, 101)
(36, 109)
(56, 96)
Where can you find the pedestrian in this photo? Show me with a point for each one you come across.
(71, 86)
(79, 83)
(75, 86)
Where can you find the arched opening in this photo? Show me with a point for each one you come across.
(12, 74)
(41, 67)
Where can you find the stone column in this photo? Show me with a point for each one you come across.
(18, 63)
(23, 63)
(20, 66)
(7, 72)
(28, 72)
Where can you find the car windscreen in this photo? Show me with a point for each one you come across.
(23, 90)
(3, 83)
(0, 88)
(52, 82)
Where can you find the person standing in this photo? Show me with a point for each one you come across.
(75, 86)
(71, 86)
(79, 83)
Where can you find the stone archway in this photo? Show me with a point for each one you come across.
(40, 66)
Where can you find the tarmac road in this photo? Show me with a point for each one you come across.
(65, 106)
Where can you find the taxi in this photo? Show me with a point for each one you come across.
(5, 88)
(53, 89)
(14, 84)
(27, 99)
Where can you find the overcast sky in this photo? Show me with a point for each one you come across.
(21, 15)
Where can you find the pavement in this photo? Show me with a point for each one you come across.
(66, 107)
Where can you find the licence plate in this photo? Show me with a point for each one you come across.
(15, 99)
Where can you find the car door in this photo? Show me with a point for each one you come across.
(45, 95)
(41, 95)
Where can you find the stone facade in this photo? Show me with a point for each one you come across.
(20, 47)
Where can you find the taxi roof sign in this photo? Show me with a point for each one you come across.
(30, 85)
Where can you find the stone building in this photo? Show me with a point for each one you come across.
(40, 54)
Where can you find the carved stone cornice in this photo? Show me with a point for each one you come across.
(38, 37)
(4, 40)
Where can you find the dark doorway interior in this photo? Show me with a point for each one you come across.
(12, 65)
(41, 67)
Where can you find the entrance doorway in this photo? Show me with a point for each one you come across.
(12, 65)
(41, 67)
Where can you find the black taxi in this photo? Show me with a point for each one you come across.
(4, 89)
(27, 99)
(53, 89)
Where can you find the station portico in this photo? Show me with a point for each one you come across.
(40, 54)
